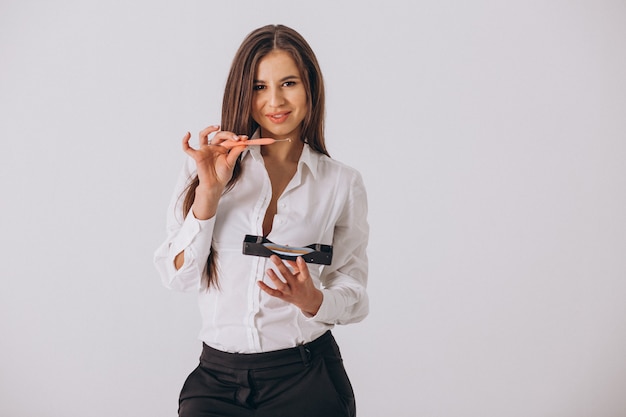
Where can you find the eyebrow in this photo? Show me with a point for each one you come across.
(287, 78)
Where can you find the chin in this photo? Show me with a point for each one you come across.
(276, 132)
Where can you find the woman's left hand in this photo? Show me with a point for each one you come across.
(296, 287)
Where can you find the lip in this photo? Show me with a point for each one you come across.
(278, 117)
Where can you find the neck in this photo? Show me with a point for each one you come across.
(283, 151)
(288, 151)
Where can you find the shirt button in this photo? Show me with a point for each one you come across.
(283, 205)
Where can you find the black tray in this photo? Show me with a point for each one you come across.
(315, 253)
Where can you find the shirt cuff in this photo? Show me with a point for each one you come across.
(193, 233)
(329, 310)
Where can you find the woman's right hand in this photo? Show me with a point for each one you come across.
(214, 165)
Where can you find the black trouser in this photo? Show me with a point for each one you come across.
(305, 381)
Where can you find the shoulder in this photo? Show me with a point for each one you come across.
(345, 184)
(333, 169)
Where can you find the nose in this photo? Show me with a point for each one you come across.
(276, 98)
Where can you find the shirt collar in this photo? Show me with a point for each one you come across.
(310, 159)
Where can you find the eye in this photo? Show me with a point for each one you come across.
(289, 83)
(258, 87)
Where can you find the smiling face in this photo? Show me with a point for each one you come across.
(279, 102)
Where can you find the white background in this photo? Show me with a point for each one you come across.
(492, 140)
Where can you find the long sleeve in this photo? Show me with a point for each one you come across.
(188, 234)
(345, 281)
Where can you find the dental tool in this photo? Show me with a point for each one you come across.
(229, 144)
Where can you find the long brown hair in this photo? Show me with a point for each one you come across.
(237, 102)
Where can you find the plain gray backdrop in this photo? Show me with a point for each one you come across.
(492, 140)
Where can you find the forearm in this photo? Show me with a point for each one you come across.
(343, 304)
(204, 207)
(206, 201)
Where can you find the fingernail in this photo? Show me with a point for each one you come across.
(235, 137)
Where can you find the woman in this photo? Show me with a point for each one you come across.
(267, 346)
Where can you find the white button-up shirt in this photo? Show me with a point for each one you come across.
(325, 202)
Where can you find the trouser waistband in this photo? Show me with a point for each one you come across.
(301, 353)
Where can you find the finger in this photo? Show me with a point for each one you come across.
(223, 136)
(278, 283)
(234, 153)
(280, 264)
(300, 269)
(290, 276)
(271, 291)
(295, 268)
(204, 134)
(186, 148)
(235, 141)
(293, 265)
(303, 269)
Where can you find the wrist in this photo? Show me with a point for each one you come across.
(205, 202)
(313, 307)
